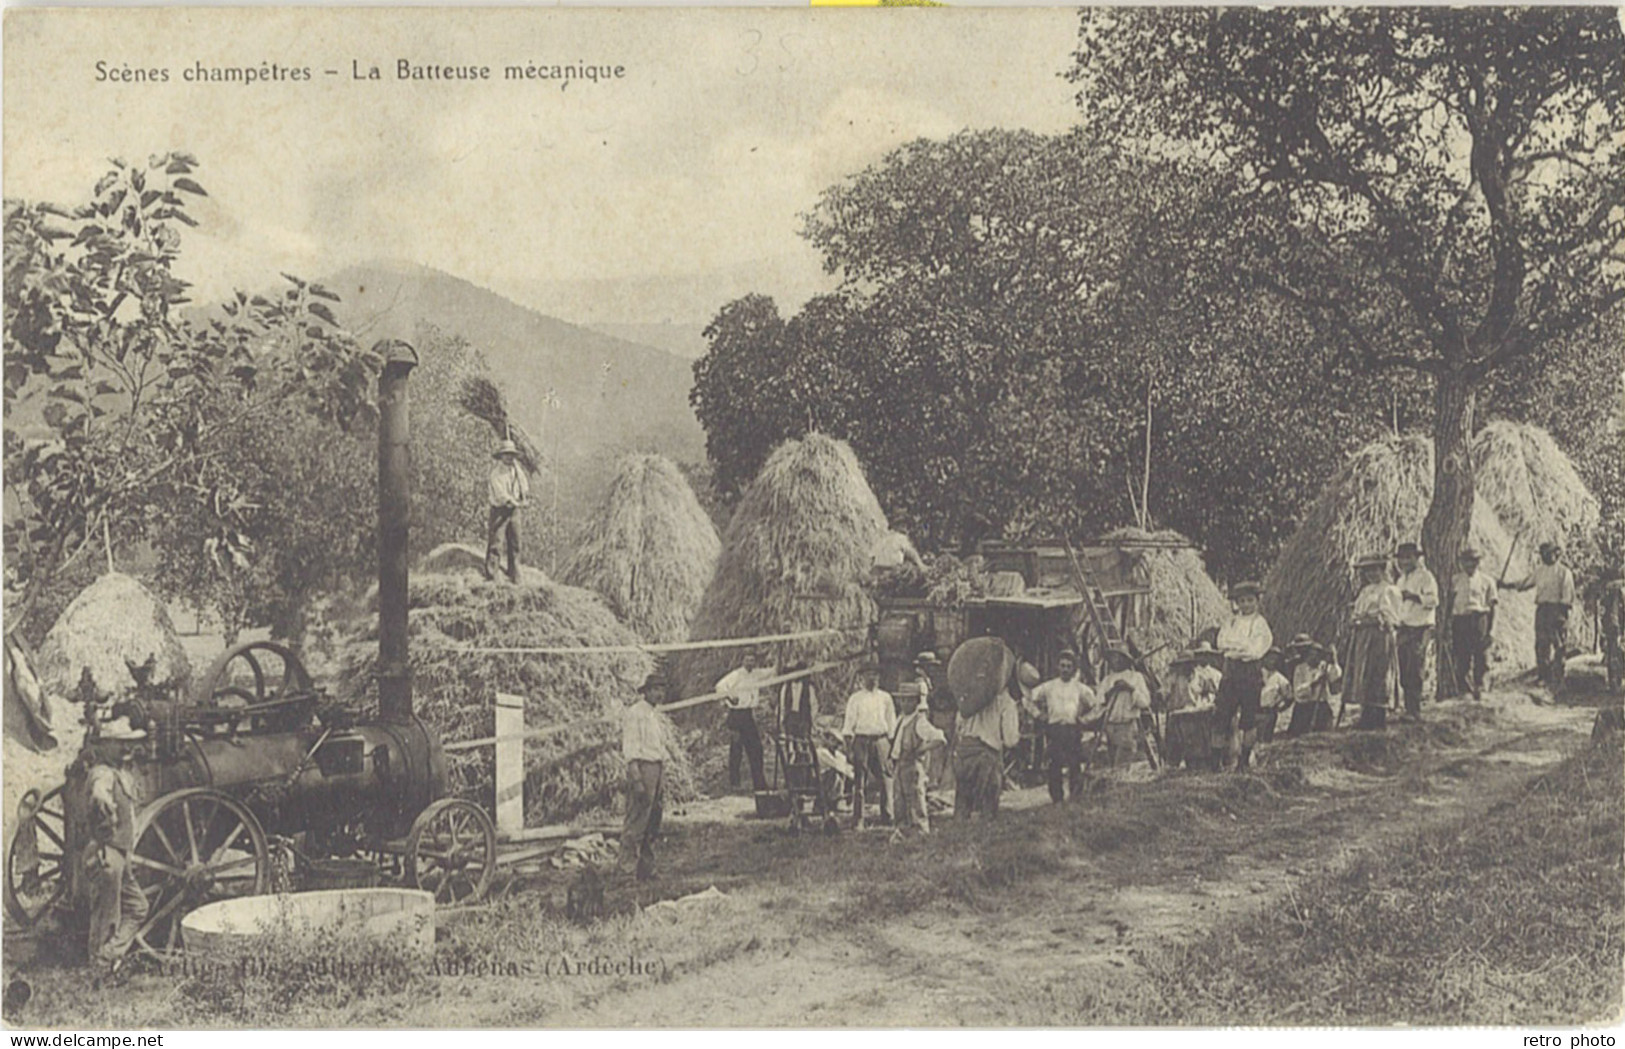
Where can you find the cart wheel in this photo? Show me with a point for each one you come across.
(452, 851)
(193, 847)
(34, 867)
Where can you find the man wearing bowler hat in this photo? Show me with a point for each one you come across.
(1472, 616)
(508, 490)
(1418, 605)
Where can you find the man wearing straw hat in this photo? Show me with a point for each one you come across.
(507, 491)
(117, 904)
(1472, 617)
(1418, 606)
(1553, 585)
(643, 746)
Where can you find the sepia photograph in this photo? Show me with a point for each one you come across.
(795, 518)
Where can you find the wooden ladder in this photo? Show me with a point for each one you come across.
(1100, 613)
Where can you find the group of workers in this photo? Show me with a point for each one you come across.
(1222, 699)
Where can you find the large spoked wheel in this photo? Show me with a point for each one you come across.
(452, 851)
(254, 672)
(35, 871)
(194, 847)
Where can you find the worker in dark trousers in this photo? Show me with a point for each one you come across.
(867, 728)
(1472, 617)
(1063, 705)
(741, 694)
(117, 905)
(1553, 584)
(507, 492)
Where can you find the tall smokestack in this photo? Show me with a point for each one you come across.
(394, 511)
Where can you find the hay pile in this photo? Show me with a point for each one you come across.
(795, 557)
(576, 770)
(1525, 486)
(1184, 600)
(649, 549)
(480, 397)
(112, 620)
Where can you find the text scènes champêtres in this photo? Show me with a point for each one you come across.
(403, 69)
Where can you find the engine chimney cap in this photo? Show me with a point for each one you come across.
(396, 353)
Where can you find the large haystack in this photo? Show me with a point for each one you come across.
(795, 557)
(1184, 600)
(1533, 488)
(1525, 486)
(579, 768)
(649, 549)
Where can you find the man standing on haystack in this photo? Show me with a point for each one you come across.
(508, 490)
(1419, 604)
(643, 746)
(1553, 584)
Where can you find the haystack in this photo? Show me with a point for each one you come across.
(1183, 602)
(649, 549)
(112, 621)
(794, 557)
(1525, 486)
(578, 768)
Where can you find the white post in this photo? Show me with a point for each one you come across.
(510, 764)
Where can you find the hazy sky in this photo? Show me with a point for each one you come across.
(691, 170)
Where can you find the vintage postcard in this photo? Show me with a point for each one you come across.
(798, 518)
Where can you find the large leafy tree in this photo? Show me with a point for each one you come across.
(1441, 187)
(131, 418)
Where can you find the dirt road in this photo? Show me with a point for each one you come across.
(987, 924)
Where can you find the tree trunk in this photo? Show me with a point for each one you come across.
(1450, 514)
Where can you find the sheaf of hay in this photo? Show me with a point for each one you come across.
(649, 549)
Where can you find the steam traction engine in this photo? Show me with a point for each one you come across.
(258, 778)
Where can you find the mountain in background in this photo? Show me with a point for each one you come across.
(613, 395)
(682, 340)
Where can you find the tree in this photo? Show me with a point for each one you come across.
(1442, 187)
(127, 414)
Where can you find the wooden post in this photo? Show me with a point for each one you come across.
(510, 764)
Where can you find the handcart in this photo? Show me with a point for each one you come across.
(810, 784)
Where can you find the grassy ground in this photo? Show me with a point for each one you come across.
(1514, 919)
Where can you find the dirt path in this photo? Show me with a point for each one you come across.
(951, 965)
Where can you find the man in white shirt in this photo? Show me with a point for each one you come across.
(742, 693)
(1553, 585)
(643, 746)
(1472, 617)
(1243, 643)
(1127, 697)
(1063, 704)
(871, 719)
(507, 491)
(1419, 604)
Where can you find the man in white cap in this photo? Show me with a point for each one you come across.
(117, 904)
(508, 490)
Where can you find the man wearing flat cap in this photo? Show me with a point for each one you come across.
(1418, 605)
(1472, 616)
(1553, 585)
(507, 490)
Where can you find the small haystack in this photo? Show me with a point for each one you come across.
(795, 557)
(112, 620)
(1525, 486)
(649, 549)
(1184, 600)
(577, 769)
